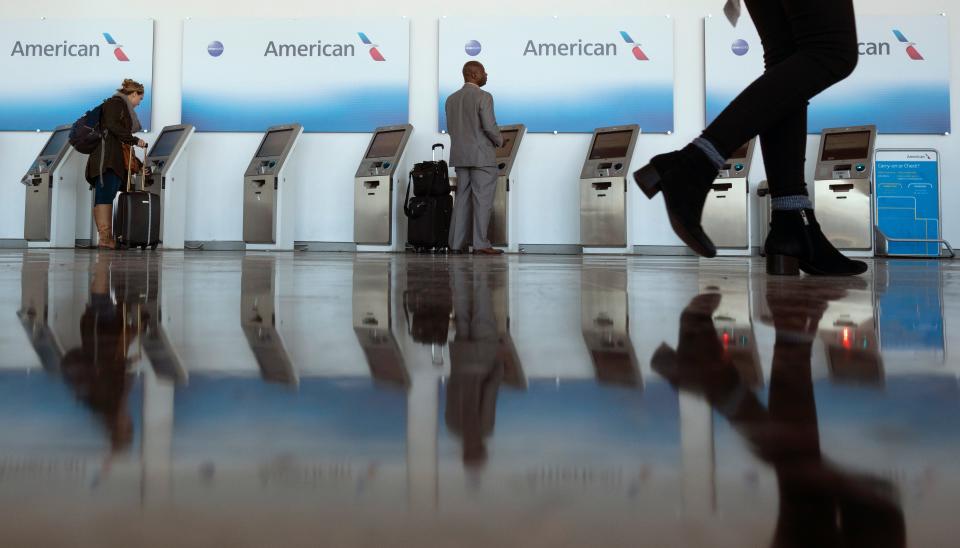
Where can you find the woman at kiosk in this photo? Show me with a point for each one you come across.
(808, 45)
(108, 164)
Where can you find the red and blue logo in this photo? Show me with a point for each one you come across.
(118, 50)
(637, 52)
(374, 52)
(912, 51)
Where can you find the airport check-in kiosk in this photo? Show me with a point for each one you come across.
(168, 163)
(270, 191)
(726, 213)
(605, 322)
(260, 318)
(733, 320)
(843, 187)
(499, 231)
(373, 200)
(603, 187)
(373, 321)
(52, 190)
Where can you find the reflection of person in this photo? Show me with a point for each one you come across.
(474, 138)
(809, 45)
(820, 504)
(107, 164)
(97, 371)
(476, 371)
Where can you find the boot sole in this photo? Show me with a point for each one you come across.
(649, 181)
(785, 265)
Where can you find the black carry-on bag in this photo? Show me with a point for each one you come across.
(136, 221)
(430, 209)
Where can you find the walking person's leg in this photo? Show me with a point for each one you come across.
(462, 211)
(809, 45)
(484, 188)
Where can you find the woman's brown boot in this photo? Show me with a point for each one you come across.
(103, 217)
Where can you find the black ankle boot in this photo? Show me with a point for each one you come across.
(796, 243)
(684, 177)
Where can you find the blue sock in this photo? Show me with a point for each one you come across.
(713, 155)
(791, 203)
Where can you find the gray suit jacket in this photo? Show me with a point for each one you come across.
(474, 135)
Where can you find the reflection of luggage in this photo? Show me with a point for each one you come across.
(136, 222)
(427, 303)
(430, 210)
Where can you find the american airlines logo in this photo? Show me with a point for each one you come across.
(637, 52)
(117, 50)
(912, 51)
(374, 52)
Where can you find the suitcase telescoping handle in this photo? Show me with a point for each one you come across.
(435, 147)
(143, 176)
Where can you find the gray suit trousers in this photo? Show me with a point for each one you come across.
(473, 205)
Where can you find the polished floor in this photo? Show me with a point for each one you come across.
(230, 399)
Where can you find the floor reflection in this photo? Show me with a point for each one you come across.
(782, 412)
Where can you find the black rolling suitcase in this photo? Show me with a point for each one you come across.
(430, 209)
(136, 219)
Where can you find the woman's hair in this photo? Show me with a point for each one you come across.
(129, 87)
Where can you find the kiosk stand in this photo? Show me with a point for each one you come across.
(52, 191)
(726, 214)
(843, 188)
(499, 231)
(603, 188)
(169, 165)
(270, 191)
(373, 198)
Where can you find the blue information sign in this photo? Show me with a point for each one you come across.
(908, 200)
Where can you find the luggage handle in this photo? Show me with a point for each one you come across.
(434, 150)
(143, 176)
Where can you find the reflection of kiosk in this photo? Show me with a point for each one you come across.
(499, 232)
(513, 374)
(843, 187)
(605, 321)
(39, 308)
(169, 164)
(53, 184)
(373, 185)
(848, 330)
(373, 321)
(270, 191)
(603, 187)
(727, 210)
(734, 324)
(260, 319)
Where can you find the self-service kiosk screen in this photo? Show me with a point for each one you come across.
(166, 142)
(611, 145)
(385, 144)
(56, 142)
(846, 146)
(274, 143)
(509, 141)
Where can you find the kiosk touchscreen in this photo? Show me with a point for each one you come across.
(52, 190)
(373, 321)
(270, 191)
(603, 187)
(260, 318)
(605, 321)
(843, 187)
(168, 164)
(726, 213)
(373, 185)
(499, 232)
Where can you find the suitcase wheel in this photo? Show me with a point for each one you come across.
(154, 246)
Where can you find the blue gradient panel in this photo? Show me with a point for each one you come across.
(906, 110)
(651, 108)
(358, 111)
(29, 114)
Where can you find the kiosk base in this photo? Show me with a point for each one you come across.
(603, 213)
(726, 217)
(845, 212)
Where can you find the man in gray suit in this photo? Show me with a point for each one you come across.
(474, 139)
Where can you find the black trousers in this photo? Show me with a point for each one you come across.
(808, 45)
